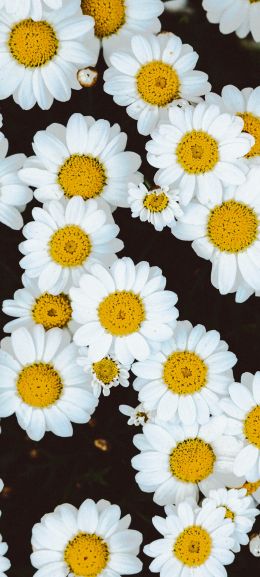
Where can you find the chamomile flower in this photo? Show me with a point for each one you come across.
(198, 150)
(40, 59)
(104, 374)
(175, 461)
(228, 233)
(63, 241)
(42, 384)
(92, 540)
(124, 309)
(195, 542)
(85, 158)
(241, 17)
(185, 380)
(117, 21)
(155, 75)
(138, 415)
(158, 206)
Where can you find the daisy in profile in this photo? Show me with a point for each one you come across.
(153, 76)
(185, 380)
(86, 158)
(117, 21)
(194, 542)
(241, 17)
(40, 59)
(42, 383)
(158, 206)
(93, 540)
(104, 374)
(138, 415)
(124, 309)
(63, 241)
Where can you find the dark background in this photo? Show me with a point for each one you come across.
(39, 476)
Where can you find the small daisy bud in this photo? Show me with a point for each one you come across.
(87, 77)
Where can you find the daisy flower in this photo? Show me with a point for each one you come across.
(64, 240)
(228, 233)
(138, 415)
(175, 461)
(117, 21)
(158, 206)
(243, 405)
(92, 540)
(40, 59)
(185, 380)
(125, 309)
(194, 542)
(34, 7)
(104, 374)
(42, 384)
(85, 158)
(153, 76)
(241, 17)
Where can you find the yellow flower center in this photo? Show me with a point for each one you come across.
(229, 514)
(197, 152)
(32, 43)
(156, 201)
(121, 313)
(251, 487)
(192, 460)
(52, 310)
(109, 15)
(86, 555)
(232, 226)
(193, 546)
(252, 426)
(83, 176)
(70, 246)
(106, 370)
(252, 126)
(158, 83)
(39, 385)
(184, 373)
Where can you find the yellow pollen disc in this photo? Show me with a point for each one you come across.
(106, 370)
(197, 152)
(252, 126)
(232, 226)
(52, 310)
(109, 15)
(192, 460)
(158, 83)
(39, 385)
(184, 373)
(252, 426)
(83, 176)
(251, 487)
(156, 201)
(229, 514)
(121, 313)
(32, 43)
(70, 246)
(193, 546)
(86, 555)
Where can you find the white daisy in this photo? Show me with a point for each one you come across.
(176, 461)
(63, 241)
(40, 59)
(42, 384)
(34, 8)
(159, 206)
(92, 540)
(199, 151)
(241, 16)
(185, 380)
(138, 415)
(86, 158)
(228, 234)
(117, 21)
(125, 309)
(175, 5)
(104, 374)
(154, 75)
(195, 542)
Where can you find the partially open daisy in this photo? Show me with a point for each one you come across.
(176, 461)
(92, 541)
(198, 150)
(185, 380)
(42, 384)
(241, 16)
(153, 76)
(195, 542)
(228, 234)
(159, 206)
(40, 59)
(63, 241)
(86, 158)
(104, 374)
(124, 309)
(138, 415)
